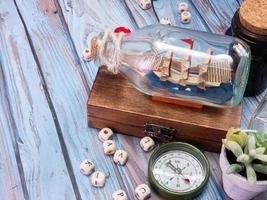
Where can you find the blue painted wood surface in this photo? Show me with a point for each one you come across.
(44, 86)
(40, 161)
(11, 186)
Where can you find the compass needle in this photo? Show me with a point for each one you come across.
(187, 180)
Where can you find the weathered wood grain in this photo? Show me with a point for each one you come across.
(11, 184)
(42, 169)
(133, 174)
(224, 10)
(141, 17)
(169, 8)
(206, 11)
(85, 19)
(67, 85)
(59, 30)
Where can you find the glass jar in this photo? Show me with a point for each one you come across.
(176, 63)
(258, 120)
(257, 81)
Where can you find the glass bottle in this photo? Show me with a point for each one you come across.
(176, 63)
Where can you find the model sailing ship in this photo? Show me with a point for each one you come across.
(209, 74)
(172, 62)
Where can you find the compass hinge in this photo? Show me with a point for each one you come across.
(160, 133)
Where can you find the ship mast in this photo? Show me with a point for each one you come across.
(186, 63)
(203, 70)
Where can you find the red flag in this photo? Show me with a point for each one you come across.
(189, 41)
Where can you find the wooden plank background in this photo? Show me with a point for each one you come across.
(44, 86)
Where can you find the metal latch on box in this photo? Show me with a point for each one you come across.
(160, 133)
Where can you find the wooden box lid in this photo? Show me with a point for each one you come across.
(115, 103)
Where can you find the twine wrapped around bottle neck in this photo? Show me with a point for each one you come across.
(113, 64)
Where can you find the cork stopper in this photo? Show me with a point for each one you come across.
(253, 16)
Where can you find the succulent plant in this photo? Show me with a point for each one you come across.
(261, 140)
(248, 153)
(237, 135)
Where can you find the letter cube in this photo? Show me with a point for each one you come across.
(142, 192)
(145, 4)
(98, 179)
(87, 54)
(120, 157)
(109, 147)
(119, 195)
(87, 167)
(182, 7)
(147, 143)
(185, 17)
(105, 134)
(165, 21)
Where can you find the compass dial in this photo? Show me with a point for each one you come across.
(178, 171)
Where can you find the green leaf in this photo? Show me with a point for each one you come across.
(252, 152)
(233, 146)
(251, 175)
(246, 149)
(261, 140)
(261, 137)
(237, 135)
(260, 150)
(251, 142)
(260, 168)
(243, 158)
(234, 168)
(261, 157)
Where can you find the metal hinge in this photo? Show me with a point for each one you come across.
(160, 133)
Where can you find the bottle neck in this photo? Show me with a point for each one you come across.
(108, 50)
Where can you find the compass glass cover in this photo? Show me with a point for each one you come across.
(178, 171)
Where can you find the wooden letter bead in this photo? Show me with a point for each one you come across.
(109, 147)
(142, 192)
(182, 7)
(147, 143)
(120, 157)
(105, 134)
(119, 195)
(87, 167)
(185, 17)
(145, 4)
(98, 179)
(165, 21)
(87, 54)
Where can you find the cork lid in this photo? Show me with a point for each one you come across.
(253, 16)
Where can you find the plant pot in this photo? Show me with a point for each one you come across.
(235, 185)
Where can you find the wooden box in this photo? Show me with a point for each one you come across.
(115, 103)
